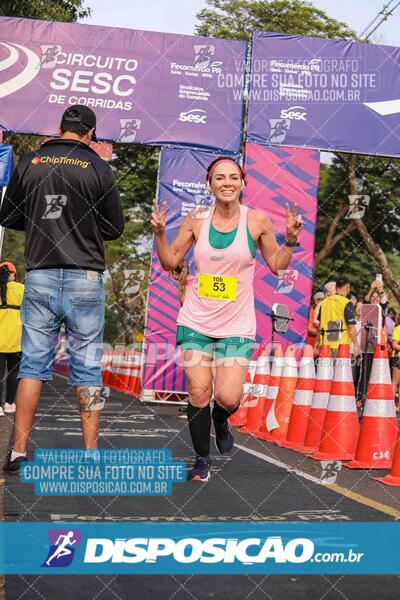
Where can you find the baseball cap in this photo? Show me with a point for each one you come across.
(319, 296)
(82, 115)
(9, 266)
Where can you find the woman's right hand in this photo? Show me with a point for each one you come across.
(158, 221)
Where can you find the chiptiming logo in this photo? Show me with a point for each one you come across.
(62, 547)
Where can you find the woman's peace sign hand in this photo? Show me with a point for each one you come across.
(158, 222)
(293, 223)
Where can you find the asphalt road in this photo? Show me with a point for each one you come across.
(258, 481)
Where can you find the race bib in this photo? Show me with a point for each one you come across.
(217, 287)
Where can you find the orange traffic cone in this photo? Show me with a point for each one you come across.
(111, 380)
(302, 401)
(106, 362)
(240, 416)
(279, 413)
(134, 385)
(320, 401)
(378, 433)
(341, 427)
(260, 386)
(272, 391)
(393, 478)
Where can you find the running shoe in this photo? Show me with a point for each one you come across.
(13, 466)
(224, 439)
(1, 412)
(201, 469)
(9, 408)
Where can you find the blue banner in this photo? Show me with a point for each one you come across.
(325, 94)
(6, 164)
(194, 548)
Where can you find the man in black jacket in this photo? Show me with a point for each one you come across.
(65, 197)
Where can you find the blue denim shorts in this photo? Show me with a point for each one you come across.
(72, 297)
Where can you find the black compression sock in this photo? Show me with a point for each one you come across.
(199, 420)
(220, 415)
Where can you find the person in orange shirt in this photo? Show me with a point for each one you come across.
(312, 328)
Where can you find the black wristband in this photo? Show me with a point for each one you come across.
(290, 244)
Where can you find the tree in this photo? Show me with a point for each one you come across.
(50, 10)
(236, 19)
(340, 242)
(129, 256)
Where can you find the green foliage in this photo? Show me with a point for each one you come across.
(378, 178)
(136, 170)
(47, 10)
(236, 19)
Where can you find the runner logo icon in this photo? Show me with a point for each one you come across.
(17, 55)
(286, 281)
(54, 206)
(203, 55)
(129, 129)
(62, 547)
(49, 55)
(278, 130)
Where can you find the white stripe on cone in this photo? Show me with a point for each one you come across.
(342, 404)
(380, 372)
(343, 370)
(303, 397)
(379, 408)
(320, 400)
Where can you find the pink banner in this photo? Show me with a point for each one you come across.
(276, 176)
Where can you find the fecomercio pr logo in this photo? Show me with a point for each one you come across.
(201, 64)
(296, 113)
(17, 55)
(62, 547)
(195, 115)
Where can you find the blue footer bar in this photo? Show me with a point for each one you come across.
(200, 548)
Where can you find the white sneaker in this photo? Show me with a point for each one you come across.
(1, 412)
(9, 408)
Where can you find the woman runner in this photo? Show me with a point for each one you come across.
(217, 319)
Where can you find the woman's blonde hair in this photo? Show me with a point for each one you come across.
(180, 274)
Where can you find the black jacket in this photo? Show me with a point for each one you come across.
(66, 199)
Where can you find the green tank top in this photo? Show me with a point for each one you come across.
(222, 239)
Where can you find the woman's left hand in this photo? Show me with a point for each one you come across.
(293, 223)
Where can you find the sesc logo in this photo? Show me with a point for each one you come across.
(17, 56)
(195, 115)
(296, 113)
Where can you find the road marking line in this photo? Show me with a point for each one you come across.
(385, 508)
(389, 510)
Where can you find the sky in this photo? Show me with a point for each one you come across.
(179, 16)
